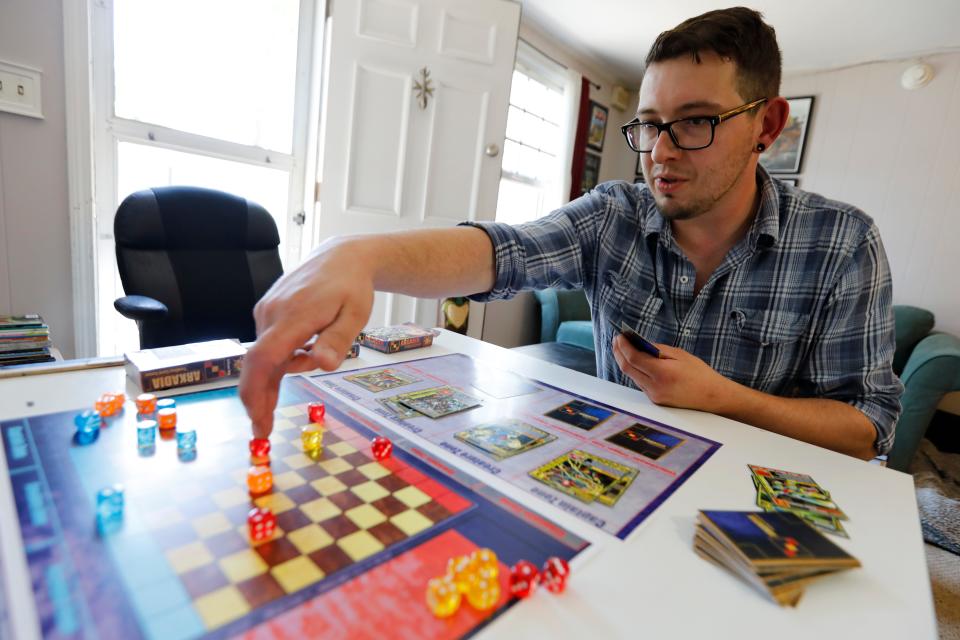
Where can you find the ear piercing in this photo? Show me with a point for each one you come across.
(761, 147)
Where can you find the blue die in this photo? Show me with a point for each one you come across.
(110, 508)
(186, 440)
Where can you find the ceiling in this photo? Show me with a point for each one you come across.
(614, 35)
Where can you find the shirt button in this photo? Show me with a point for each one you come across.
(686, 332)
(684, 279)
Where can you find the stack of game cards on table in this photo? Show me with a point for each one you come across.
(777, 552)
(798, 493)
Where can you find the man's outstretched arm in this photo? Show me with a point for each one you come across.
(330, 296)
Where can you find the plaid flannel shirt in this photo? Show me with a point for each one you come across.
(800, 307)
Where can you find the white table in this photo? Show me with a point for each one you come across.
(651, 585)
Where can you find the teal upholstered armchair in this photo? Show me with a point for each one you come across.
(565, 317)
(928, 363)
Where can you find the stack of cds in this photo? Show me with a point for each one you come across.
(24, 340)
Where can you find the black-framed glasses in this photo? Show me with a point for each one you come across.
(688, 134)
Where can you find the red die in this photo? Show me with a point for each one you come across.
(381, 447)
(555, 574)
(524, 579)
(262, 524)
(316, 411)
(260, 449)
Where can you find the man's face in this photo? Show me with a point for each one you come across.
(687, 184)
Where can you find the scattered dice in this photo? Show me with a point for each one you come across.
(259, 479)
(110, 508)
(167, 418)
(381, 447)
(109, 404)
(555, 574)
(146, 404)
(259, 450)
(311, 437)
(524, 579)
(484, 592)
(88, 426)
(316, 411)
(443, 597)
(262, 524)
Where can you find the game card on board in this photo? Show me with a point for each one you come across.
(505, 438)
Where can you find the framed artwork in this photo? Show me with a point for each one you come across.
(792, 181)
(786, 153)
(591, 172)
(598, 126)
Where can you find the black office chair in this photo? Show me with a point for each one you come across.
(193, 263)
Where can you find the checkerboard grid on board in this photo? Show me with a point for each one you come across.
(361, 507)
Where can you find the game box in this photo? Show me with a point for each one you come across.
(185, 365)
(396, 338)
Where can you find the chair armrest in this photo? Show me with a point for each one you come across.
(141, 308)
(932, 371)
(549, 314)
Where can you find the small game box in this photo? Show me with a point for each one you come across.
(185, 365)
(396, 338)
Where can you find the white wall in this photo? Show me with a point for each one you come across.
(34, 223)
(896, 155)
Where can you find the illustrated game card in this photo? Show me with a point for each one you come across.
(586, 477)
(381, 380)
(646, 441)
(789, 491)
(437, 402)
(580, 414)
(505, 438)
(392, 404)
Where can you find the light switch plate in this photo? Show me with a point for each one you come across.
(20, 90)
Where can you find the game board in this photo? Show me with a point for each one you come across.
(604, 466)
(357, 542)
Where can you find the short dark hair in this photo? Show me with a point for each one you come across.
(738, 34)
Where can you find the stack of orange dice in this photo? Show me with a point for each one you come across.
(109, 404)
(167, 419)
(474, 577)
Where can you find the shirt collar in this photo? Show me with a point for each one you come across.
(764, 231)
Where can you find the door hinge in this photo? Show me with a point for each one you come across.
(300, 218)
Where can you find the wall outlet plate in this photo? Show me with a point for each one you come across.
(20, 90)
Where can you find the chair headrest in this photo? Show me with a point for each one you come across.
(164, 218)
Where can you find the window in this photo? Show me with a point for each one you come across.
(214, 94)
(536, 153)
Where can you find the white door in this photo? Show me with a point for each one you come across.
(391, 163)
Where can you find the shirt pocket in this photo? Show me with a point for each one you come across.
(764, 348)
(638, 306)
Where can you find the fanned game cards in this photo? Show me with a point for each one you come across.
(586, 477)
(505, 438)
(797, 493)
(437, 402)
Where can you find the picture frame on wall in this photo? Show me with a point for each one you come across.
(591, 172)
(793, 181)
(785, 155)
(598, 126)
(638, 171)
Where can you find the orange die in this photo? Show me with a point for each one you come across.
(259, 479)
(167, 419)
(146, 403)
(106, 405)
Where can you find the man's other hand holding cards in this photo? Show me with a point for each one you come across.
(668, 375)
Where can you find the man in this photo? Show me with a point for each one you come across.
(771, 305)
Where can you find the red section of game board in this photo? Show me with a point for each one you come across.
(387, 601)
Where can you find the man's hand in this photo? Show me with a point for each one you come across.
(329, 296)
(679, 379)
